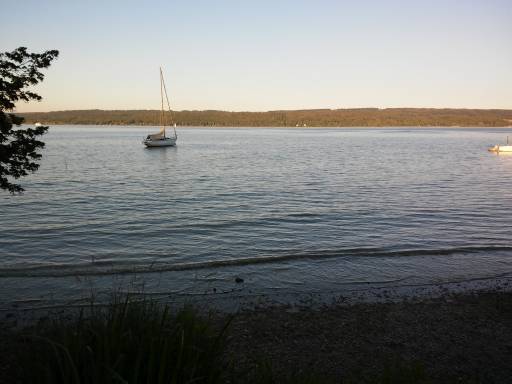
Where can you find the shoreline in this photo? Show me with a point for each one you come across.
(455, 337)
(20, 314)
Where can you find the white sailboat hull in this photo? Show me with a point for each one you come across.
(167, 142)
(501, 148)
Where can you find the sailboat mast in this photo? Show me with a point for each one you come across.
(162, 120)
(167, 99)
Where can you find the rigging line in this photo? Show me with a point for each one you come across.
(162, 100)
(167, 99)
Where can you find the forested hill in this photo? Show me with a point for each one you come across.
(362, 117)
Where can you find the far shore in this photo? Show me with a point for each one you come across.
(308, 118)
(276, 127)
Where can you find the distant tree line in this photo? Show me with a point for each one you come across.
(361, 117)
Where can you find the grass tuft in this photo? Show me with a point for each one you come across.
(128, 342)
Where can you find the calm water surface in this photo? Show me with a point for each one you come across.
(287, 210)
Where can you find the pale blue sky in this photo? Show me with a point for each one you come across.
(265, 55)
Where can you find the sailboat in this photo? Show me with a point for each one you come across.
(501, 148)
(160, 139)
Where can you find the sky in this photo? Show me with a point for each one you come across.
(267, 55)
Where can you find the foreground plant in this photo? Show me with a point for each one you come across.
(126, 343)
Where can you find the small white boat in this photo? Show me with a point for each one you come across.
(160, 139)
(501, 148)
(38, 124)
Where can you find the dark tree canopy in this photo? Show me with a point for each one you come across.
(19, 70)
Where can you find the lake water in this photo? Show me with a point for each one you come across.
(289, 211)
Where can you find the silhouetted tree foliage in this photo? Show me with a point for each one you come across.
(19, 70)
